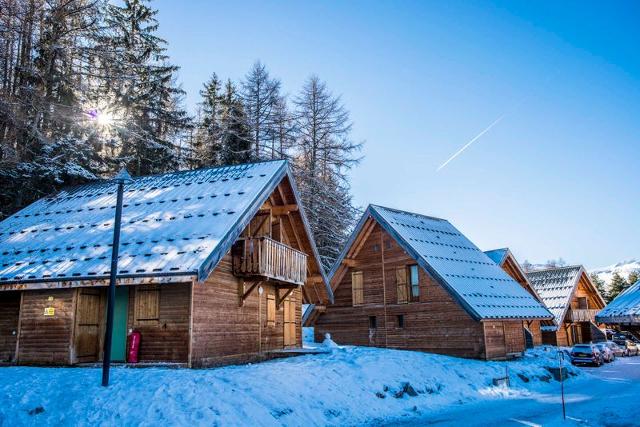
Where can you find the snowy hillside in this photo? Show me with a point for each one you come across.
(346, 386)
(622, 268)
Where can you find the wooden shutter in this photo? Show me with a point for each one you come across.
(271, 310)
(147, 304)
(357, 287)
(290, 322)
(401, 283)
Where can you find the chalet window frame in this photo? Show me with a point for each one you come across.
(373, 322)
(586, 303)
(357, 288)
(414, 288)
(147, 298)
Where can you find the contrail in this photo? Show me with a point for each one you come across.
(471, 142)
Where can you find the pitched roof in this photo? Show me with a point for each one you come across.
(498, 255)
(173, 224)
(481, 287)
(556, 287)
(625, 308)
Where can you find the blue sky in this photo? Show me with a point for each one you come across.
(558, 176)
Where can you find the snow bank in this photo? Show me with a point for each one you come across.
(350, 385)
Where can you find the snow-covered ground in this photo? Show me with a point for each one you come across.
(345, 386)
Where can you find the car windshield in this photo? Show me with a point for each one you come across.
(612, 345)
(582, 348)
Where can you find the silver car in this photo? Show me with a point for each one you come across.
(607, 354)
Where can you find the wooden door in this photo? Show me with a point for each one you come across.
(290, 322)
(88, 325)
(9, 319)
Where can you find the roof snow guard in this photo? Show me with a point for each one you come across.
(555, 286)
(625, 308)
(176, 224)
(470, 276)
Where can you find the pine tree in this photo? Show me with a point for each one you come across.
(207, 144)
(617, 285)
(634, 276)
(141, 89)
(235, 134)
(323, 153)
(261, 100)
(600, 285)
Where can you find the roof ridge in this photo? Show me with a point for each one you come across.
(564, 267)
(407, 212)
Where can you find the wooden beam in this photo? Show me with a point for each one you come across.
(244, 294)
(280, 210)
(349, 262)
(280, 299)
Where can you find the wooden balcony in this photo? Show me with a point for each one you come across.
(582, 315)
(262, 258)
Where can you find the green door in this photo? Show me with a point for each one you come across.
(119, 344)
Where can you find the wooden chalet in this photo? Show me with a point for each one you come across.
(214, 266)
(624, 311)
(505, 259)
(410, 281)
(574, 301)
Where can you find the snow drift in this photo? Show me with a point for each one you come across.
(347, 385)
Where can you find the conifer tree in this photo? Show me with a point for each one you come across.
(261, 100)
(141, 89)
(599, 284)
(207, 144)
(618, 284)
(235, 134)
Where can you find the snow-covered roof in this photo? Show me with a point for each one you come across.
(173, 224)
(556, 286)
(481, 287)
(625, 308)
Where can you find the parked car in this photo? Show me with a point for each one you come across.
(607, 353)
(616, 349)
(630, 348)
(586, 354)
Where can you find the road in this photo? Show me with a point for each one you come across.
(608, 397)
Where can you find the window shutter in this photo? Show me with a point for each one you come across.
(401, 282)
(271, 310)
(147, 304)
(357, 287)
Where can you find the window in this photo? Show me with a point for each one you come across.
(414, 281)
(147, 304)
(271, 310)
(357, 287)
(400, 321)
(402, 285)
(583, 304)
(373, 322)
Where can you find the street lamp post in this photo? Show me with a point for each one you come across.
(120, 179)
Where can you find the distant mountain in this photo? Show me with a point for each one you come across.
(622, 268)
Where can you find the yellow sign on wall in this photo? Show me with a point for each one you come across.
(49, 311)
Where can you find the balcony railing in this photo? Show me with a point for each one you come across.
(582, 315)
(267, 259)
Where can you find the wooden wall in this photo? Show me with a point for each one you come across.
(223, 332)
(436, 323)
(9, 317)
(534, 328)
(165, 339)
(46, 339)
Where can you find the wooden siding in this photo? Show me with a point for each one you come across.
(9, 318)
(510, 266)
(503, 339)
(46, 339)
(435, 323)
(165, 339)
(225, 332)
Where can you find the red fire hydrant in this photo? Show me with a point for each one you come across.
(134, 346)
